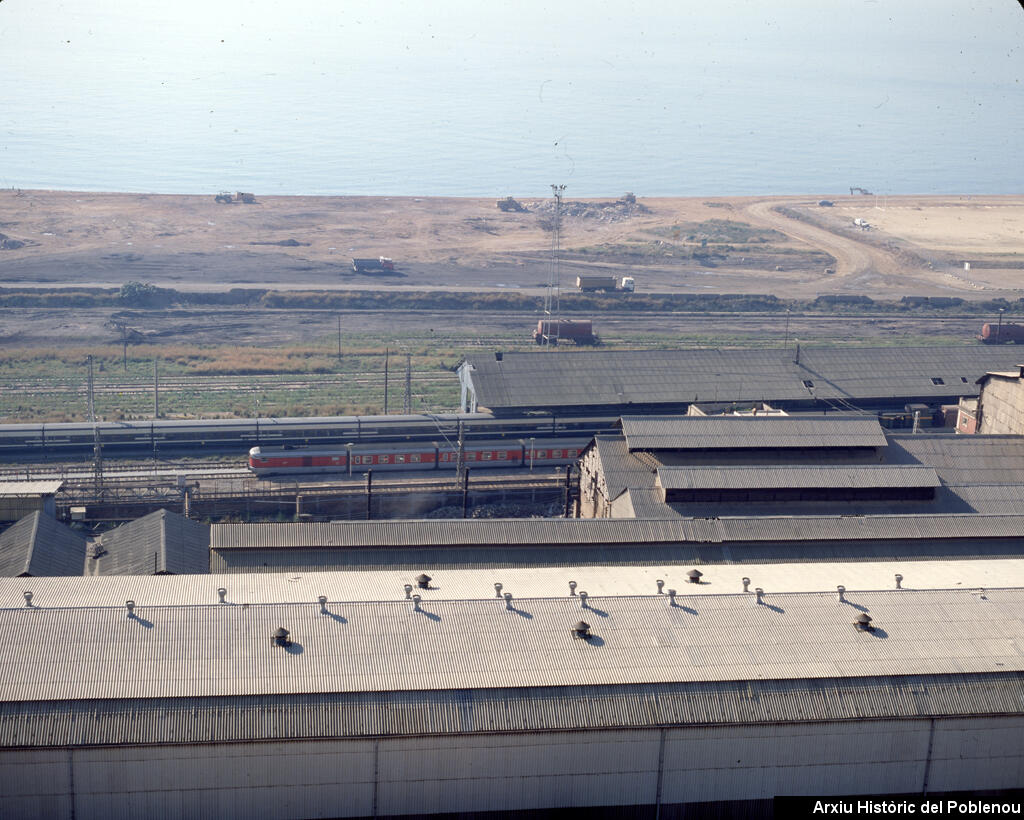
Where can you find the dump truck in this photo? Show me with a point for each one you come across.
(553, 331)
(378, 265)
(593, 282)
(226, 198)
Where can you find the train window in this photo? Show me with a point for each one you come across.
(335, 459)
(542, 454)
(383, 459)
(399, 458)
(414, 458)
(502, 455)
(556, 453)
(486, 456)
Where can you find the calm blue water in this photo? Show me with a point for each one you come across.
(449, 98)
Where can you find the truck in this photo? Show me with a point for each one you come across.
(378, 265)
(553, 331)
(594, 282)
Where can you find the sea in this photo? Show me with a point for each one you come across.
(460, 98)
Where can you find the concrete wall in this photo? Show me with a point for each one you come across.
(480, 773)
(1001, 406)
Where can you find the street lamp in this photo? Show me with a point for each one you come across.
(348, 458)
(531, 452)
(785, 344)
(999, 328)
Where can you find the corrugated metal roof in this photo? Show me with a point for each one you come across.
(225, 650)
(19, 489)
(796, 477)
(566, 378)
(721, 576)
(162, 541)
(749, 432)
(535, 709)
(41, 545)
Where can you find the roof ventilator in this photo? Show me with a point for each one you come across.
(280, 637)
(863, 621)
(416, 603)
(408, 591)
(671, 597)
(746, 585)
(423, 581)
(508, 601)
(28, 599)
(130, 606)
(583, 599)
(694, 576)
(497, 589)
(97, 549)
(842, 593)
(661, 586)
(322, 600)
(572, 588)
(760, 594)
(581, 631)
(899, 581)
(222, 592)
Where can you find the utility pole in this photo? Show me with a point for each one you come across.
(339, 337)
(387, 355)
(156, 388)
(124, 344)
(407, 404)
(552, 299)
(460, 459)
(97, 444)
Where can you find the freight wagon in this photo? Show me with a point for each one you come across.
(553, 331)
(541, 453)
(1001, 334)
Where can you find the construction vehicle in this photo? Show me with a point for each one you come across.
(510, 204)
(227, 198)
(378, 265)
(595, 282)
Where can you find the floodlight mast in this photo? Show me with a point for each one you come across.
(552, 308)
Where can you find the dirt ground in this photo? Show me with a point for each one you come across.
(916, 245)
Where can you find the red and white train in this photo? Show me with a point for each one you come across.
(414, 456)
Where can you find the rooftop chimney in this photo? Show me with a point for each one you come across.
(746, 585)
(671, 597)
(572, 588)
(28, 598)
(221, 591)
(508, 600)
(661, 585)
(423, 581)
(408, 590)
(863, 621)
(416, 603)
(694, 576)
(581, 630)
(760, 594)
(130, 606)
(497, 589)
(842, 593)
(280, 637)
(583, 599)
(322, 600)
(899, 581)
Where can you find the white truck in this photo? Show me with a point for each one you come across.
(595, 282)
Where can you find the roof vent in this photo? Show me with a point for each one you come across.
(221, 591)
(583, 599)
(280, 637)
(497, 589)
(130, 606)
(322, 600)
(661, 585)
(694, 576)
(671, 597)
(842, 593)
(581, 630)
(760, 594)
(97, 549)
(416, 603)
(746, 585)
(28, 598)
(423, 581)
(508, 600)
(899, 581)
(498, 355)
(408, 591)
(572, 588)
(863, 621)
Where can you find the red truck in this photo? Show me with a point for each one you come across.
(553, 331)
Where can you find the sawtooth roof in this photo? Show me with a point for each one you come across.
(563, 378)
(40, 545)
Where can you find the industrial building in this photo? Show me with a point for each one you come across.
(21, 498)
(605, 689)
(701, 466)
(1000, 405)
(668, 381)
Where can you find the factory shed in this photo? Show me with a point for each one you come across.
(669, 702)
(670, 380)
(21, 498)
(39, 545)
(159, 543)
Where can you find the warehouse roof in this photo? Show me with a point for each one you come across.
(862, 476)
(558, 379)
(28, 489)
(160, 542)
(391, 646)
(40, 545)
(749, 432)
